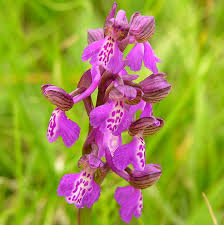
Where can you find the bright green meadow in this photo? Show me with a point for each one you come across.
(41, 41)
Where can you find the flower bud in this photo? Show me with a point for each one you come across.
(58, 97)
(154, 128)
(142, 27)
(155, 88)
(136, 100)
(146, 178)
(139, 125)
(116, 93)
(95, 35)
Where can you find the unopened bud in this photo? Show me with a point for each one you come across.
(136, 100)
(142, 27)
(155, 88)
(154, 128)
(58, 97)
(139, 125)
(146, 178)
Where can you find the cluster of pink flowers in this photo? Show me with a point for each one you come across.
(118, 100)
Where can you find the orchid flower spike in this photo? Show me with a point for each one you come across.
(124, 103)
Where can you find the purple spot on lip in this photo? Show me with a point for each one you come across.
(121, 114)
(88, 175)
(84, 174)
(139, 154)
(113, 113)
(86, 183)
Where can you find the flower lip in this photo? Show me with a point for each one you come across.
(58, 97)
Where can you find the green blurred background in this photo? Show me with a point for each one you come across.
(41, 41)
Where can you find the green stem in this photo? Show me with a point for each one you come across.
(84, 216)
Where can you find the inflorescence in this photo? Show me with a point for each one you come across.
(118, 100)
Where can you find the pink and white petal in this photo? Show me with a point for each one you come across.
(99, 115)
(60, 125)
(124, 124)
(91, 197)
(69, 131)
(127, 118)
(116, 63)
(150, 59)
(135, 57)
(124, 155)
(138, 160)
(92, 50)
(130, 200)
(66, 184)
(112, 142)
(53, 126)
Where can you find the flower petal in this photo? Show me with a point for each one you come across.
(60, 125)
(135, 57)
(150, 59)
(92, 50)
(131, 153)
(79, 189)
(99, 115)
(67, 184)
(111, 142)
(110, 57)
(131, 202)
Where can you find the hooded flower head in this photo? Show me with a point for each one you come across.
(141, 30)
(59, 124)
(105, 52)
(115, 116)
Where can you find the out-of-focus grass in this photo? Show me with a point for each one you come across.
(42, 42)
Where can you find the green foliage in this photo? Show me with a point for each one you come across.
(42, 42)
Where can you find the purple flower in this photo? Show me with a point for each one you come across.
(141, 29)
(131, 202)
(80, 189)
(131, 153)
(105, 52)
(119, 98)
(115, 116)
(60, 125)
(142, 52)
